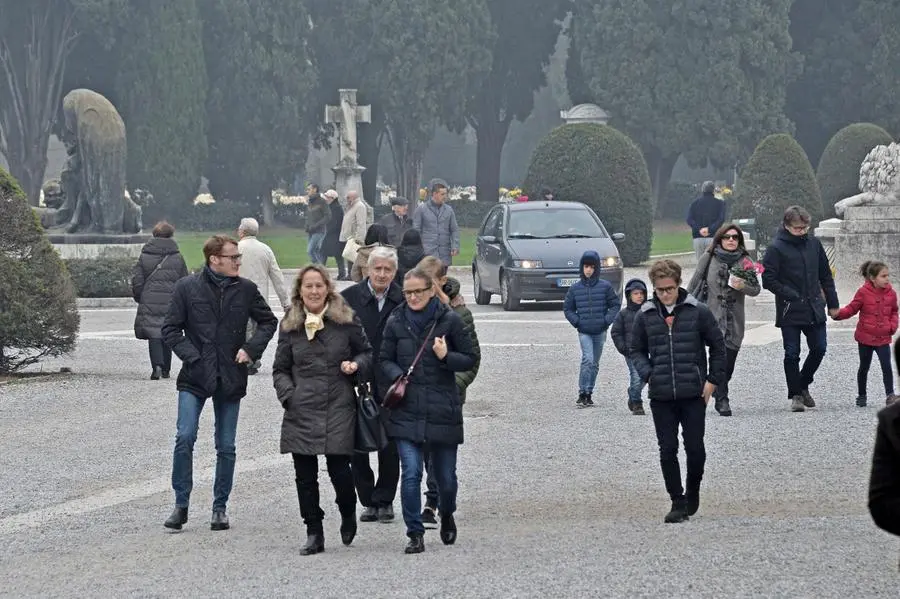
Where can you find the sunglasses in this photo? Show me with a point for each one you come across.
(731, 236)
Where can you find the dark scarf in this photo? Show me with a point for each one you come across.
(419, 320)
(221, 281)
(729, 258)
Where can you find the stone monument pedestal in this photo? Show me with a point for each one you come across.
(98, 245)
(866, 233)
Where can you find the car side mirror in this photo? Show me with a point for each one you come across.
(489, 239)
(618, 236)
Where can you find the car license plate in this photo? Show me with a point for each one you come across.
(565, 282)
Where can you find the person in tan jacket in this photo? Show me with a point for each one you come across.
(259, 265)
(355, 220)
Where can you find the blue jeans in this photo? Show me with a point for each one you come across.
(314, 248)
(189, 409)
(817, 341)
(443, 462)
(591, 349)
(635, 384)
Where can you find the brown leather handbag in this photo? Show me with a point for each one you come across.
(397, 391)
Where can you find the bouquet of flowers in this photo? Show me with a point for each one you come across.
(745, 271)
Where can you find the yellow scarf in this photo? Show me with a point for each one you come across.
(314, 323)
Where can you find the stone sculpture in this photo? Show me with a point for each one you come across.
(92, 184)
(879, 180)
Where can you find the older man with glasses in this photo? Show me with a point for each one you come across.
(798, 273)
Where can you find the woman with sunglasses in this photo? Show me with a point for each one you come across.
(429, 417)
(725, 295)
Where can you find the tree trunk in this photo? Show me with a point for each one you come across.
(491, 134)
(268, 209)
(408, 163)
(32, 65)
(660, 168)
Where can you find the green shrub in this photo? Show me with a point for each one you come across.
(38, 313)
(777, 176)
(101, 277)
(678, 199)
(601, 167)
(220, 216)
(838, 172)
(469, 214)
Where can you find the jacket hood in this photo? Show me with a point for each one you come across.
(634, 285)
(160, 246)
(410, 255)
(788, 237)
(590, 257)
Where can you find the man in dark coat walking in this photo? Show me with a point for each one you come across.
(206, 328)
(705, 215)
(397, 222)
(332, 246)
(373, 299)
(318, 215)
(798, 273)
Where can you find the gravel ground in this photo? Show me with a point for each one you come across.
(554, 501)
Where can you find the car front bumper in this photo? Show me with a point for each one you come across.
(544, 284)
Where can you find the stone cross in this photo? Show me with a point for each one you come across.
(347, 116)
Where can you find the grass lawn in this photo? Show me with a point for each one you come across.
(289, 245)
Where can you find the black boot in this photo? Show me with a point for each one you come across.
(369, 514)
(157, 373)
(692, 501)
(416, 544)
(315, 542)
(580, 401)
(448, 530)
(588, 402)
(723, 407)
(348, 527)
(678, 513)
(178, 518)
(219, 520)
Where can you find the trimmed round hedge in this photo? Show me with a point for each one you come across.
(838, 172)
(38, 313)
(777, 176)
(602, 168)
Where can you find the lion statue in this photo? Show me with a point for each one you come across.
(879, 180)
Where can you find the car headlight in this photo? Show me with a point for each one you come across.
(528, 264)
(612, 262)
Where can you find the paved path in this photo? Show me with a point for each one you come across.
(554, 501)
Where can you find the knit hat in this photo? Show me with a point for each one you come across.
(331, 194)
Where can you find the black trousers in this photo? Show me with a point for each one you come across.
(306, 467)
(690, 414)
(865, 361)
(721, 391)
(380, 493)
(160, 355)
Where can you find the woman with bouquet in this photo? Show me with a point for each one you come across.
(724, 276)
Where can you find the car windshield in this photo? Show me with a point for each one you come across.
(553, 224)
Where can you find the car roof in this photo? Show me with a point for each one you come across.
(542, 205)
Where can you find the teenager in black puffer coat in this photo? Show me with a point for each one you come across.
(671, 333)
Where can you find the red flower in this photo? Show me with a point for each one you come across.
(670, 320)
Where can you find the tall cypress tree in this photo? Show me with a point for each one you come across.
(161, 86)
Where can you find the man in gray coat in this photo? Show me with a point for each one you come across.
(436, 222)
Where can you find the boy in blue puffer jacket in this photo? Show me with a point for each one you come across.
(591, 306)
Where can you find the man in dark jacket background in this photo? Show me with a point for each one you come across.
(206, 328)
(332, 246)
(704, 217)
(884, 481)
(373, 299)
(798, 273)
(318, 215)
(591, 306)
(671, 333)
(397, 222)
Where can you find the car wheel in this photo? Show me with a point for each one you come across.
(510, 302)
(482, 297)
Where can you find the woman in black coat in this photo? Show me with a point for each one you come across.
(332, 246)
(322, 348)
(409, 254)
(430, 414)
(159, 267)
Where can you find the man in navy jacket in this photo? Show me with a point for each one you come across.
(591, 307)
(705, 216)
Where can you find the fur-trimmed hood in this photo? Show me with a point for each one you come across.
(339, 312)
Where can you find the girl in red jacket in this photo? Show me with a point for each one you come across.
(876, 303)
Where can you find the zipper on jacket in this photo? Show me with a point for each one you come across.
(672, 357)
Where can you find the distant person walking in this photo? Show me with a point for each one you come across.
(409, 254)
(397, 222)
(258, 264)
(436, 222)
(705, 216)
(206, 328)
(332, 246)
(354, 224)
(152, 283)
(376, 236)
(317, 216)
(798, 274)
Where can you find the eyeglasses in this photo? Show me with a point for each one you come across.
(666, 289)
(799, 228)
(416, 292)
(232, 257)
(731, 236)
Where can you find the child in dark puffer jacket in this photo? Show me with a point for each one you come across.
(635, 296)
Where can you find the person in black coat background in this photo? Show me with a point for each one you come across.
(429, 418)
(705, 215)
(409, 254)
(796, 270)
(332, 246)
(670, 336)
(153, 280)
(884, 482)
(635, 296)
(374, 299)
(206, 327)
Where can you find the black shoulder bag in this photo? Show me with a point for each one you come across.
(370, 433)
